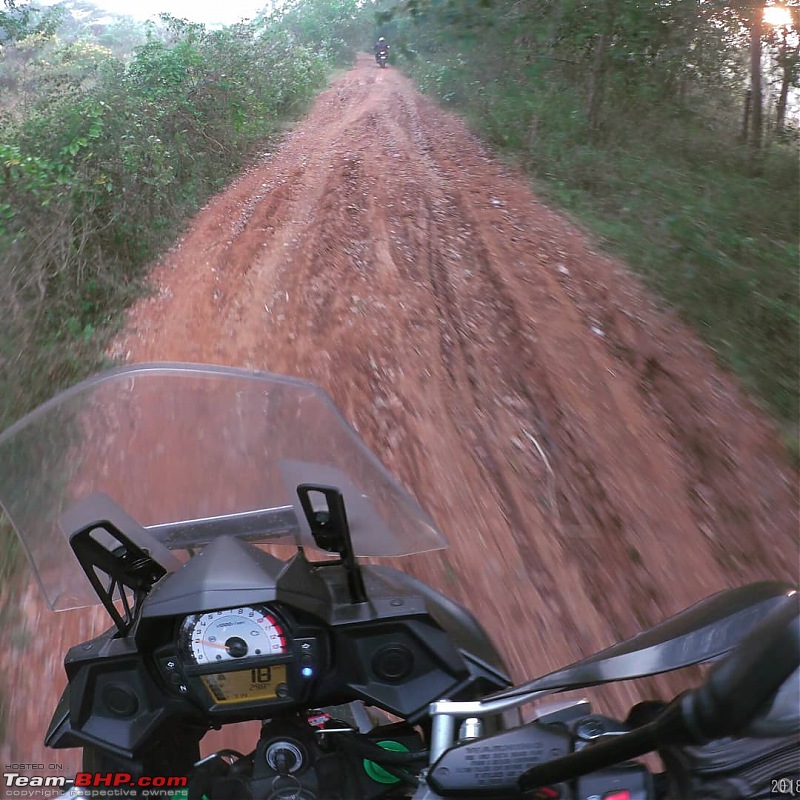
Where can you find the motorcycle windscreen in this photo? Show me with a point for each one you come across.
(180, 446)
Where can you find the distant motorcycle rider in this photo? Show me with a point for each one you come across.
(381, 46)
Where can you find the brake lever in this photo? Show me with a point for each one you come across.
(705, 632)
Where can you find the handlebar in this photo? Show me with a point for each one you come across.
(565, 753)
(335, 763)
(738, 688)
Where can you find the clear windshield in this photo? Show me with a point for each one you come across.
(174, 443)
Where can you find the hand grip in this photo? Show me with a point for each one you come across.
(740, 687)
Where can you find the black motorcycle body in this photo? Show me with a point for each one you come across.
(220, 517)
(292, 633)
(401, 650)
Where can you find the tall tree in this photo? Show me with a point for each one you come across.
(788, 62)
(598, 71)
(756, 93)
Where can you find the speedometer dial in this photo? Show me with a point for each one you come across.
(232, 634)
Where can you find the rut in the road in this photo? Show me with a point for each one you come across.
(592, 467)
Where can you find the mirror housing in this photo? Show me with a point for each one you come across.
(331, 532)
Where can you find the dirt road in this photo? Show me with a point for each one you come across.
(592, 467)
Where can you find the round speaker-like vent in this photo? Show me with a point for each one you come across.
(120, 700)
(393, 662)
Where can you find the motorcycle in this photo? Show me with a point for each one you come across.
(382, 57)
(220, 516)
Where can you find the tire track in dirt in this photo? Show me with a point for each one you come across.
(474, 338)
(507, 320)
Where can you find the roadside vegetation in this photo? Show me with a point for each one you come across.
(104, 155)
(112, 134)
(670, 129)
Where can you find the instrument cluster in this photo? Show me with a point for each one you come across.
(238, 659)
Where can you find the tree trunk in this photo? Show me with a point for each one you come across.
(598, 73)
(788, 61)
(746, 117)
(780, 114)
(756, 130)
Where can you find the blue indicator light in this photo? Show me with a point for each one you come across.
(307, 672)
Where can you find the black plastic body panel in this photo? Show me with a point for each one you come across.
(112, 701)
(229, 573)
(404, 648)
(464, 630)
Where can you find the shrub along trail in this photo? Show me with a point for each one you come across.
(592, 467)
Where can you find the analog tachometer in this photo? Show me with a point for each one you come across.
(232, 634)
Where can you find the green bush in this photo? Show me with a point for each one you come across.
(100, 164)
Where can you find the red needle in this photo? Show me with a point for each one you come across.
(214, 644)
